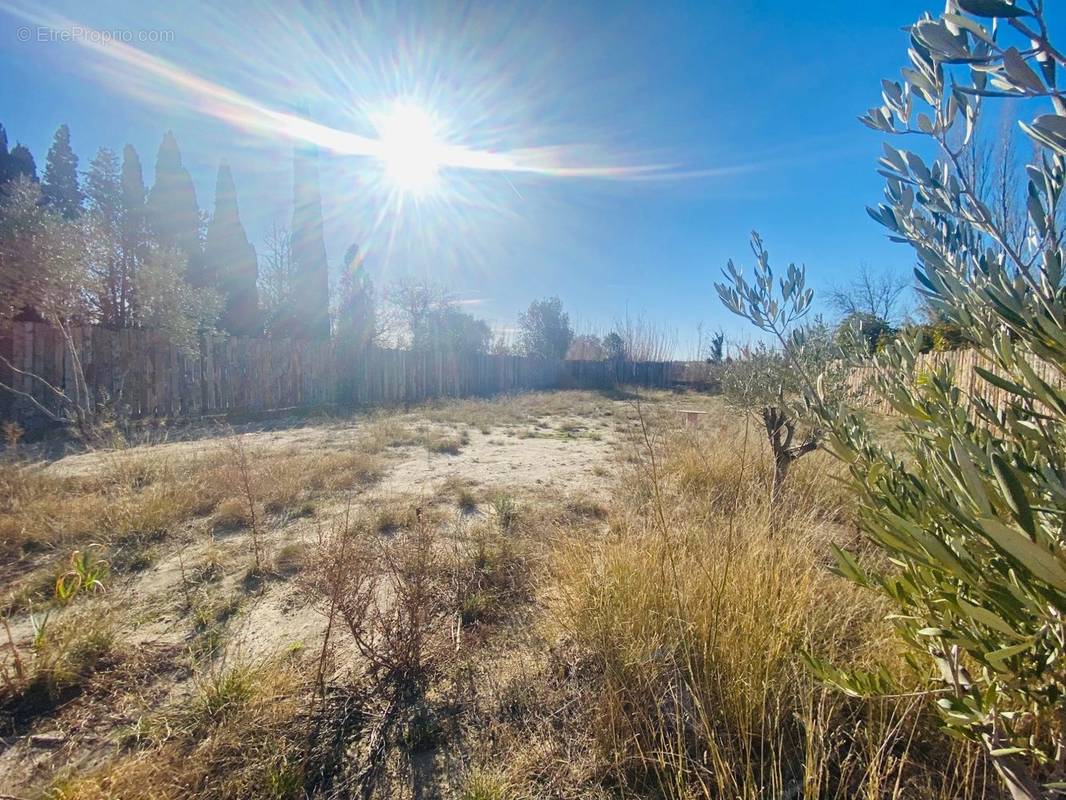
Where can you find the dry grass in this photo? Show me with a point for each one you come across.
(129, 497)
(64, 654)
(432, 585)
(134, 499)
(387, 432)
(238, 737)
(693, 615)
(519, 643)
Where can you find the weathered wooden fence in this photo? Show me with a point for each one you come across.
(961, 364)
(144, 375)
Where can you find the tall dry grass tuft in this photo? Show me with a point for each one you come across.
(694, 614)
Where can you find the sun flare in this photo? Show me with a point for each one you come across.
(410, 150)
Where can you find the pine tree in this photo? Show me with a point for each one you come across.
(172, 212)
(134, 232)
(21, 163)
(59, 185)
(310, 308)
(103, 191)
(230, 262)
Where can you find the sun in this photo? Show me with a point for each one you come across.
(409, 148)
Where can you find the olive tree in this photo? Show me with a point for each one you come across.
(971, 507)
(769, 379)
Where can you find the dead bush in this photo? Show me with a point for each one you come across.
(389, 593)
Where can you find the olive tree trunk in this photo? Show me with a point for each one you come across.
(781, 432)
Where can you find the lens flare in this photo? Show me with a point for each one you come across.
(410, 150)
(438, 150)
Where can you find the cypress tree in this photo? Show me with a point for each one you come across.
(5, 158)
(103, 188)
(172, 212)
(59, 185)
(355, 302)
(310, 307)
(134, 232)
(103, 191)
(230, 262)
(21, 163)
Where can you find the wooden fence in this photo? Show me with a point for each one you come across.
(144, 375)
(961, 364)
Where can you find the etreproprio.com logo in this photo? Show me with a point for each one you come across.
(77, 33)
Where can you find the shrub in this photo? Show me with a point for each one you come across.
(390, 594)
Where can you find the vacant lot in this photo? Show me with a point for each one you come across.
(139, 581)
(566, 594)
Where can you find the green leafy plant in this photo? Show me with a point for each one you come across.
(768, 380)
(971, 508)
(39, 625)
(87, 573)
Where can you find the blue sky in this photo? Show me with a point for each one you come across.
(748, 108)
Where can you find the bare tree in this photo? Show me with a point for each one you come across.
(872, 294)
(644, 340)
(427, 317)
(586, 347)
(988, 162)
(276, 274)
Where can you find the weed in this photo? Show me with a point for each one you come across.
(239, 453)
(474, 606)
(210, 616)
(232, 514)
(290, 558)
(237, 737)
(64, 654)
(11, 432)
(390, 595)
(492, 574)
(391, 519)
(87, 572)
(481, 784)
(584, 506)
(696, 606)
(467, 501)
(211, 565)
(225, 691)
(507, 512)
(445, 444)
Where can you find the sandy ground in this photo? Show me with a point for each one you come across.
(561, 455)
(509, 455)
(507, 462)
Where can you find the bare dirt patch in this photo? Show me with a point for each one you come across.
(212, 576)
(496, 460)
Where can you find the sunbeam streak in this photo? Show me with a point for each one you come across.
(405, 145)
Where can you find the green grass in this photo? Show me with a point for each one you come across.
(485, 785)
